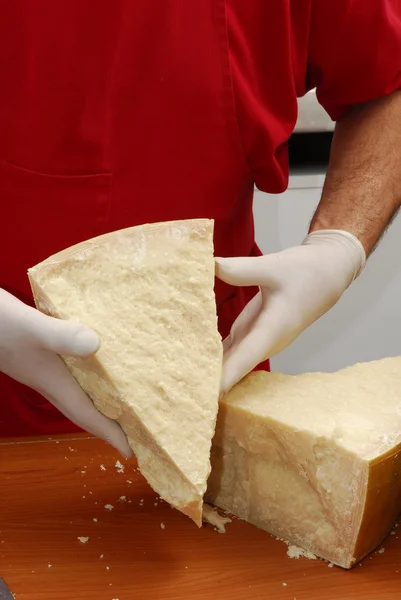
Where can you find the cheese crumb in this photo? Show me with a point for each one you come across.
(162, 525)
(83, 540)
(211, 516)
(48, 566)
(297, 552)
(129, 481)
(103, 467)
(120, 468)
(330, 565)
(284, 584)
(123, 498)
(108, 506)
(94, 520)
(381, 551)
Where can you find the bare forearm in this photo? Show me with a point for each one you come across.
(362, 191)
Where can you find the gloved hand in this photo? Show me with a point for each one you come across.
(297, 286)
(29, 346)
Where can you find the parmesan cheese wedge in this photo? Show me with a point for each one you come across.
(148, 292)
(314, 459)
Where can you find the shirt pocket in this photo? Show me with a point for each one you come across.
(42, 214)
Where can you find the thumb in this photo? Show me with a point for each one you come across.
(63, 337)
(248, 271)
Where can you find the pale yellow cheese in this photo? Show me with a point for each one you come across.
(148, 292)
(314, 459)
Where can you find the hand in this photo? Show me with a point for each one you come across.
(297, 286)
(29, 346)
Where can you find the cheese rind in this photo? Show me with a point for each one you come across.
(314, 459)
(149, 293)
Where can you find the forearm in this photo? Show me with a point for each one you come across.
(362, 191)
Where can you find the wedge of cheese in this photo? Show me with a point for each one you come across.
(314, 459)
(149, 293)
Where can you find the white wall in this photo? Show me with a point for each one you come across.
(366, 323)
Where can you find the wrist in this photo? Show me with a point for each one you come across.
(345, 242)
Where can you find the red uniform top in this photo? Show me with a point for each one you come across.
(114, 114)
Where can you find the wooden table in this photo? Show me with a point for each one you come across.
(54, 492)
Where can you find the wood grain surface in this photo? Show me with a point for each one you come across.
(54, 492)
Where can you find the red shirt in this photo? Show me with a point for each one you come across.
(118, 113)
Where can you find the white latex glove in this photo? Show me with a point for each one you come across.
(29, 346)
(297, 286)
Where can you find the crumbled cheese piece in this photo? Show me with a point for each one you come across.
(94, 520)
(108, 506)
(101, 556)
(48, 566)
(162, 525)
(284, 584)
(211, 516)
(123, 498)
(129, 481)
(296, 552)
(381, 551)
(83, 472)
(330, 565)
(103, 468)
(83, 540)
(120, 468)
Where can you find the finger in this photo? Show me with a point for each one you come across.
(242, 324)
(62, 337)
(61, 389)
(271, 332)
(249, 271)
(57, 335)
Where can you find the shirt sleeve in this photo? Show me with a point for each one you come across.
(354, 52)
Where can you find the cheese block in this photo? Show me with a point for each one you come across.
(148, 292)
(314, 459)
